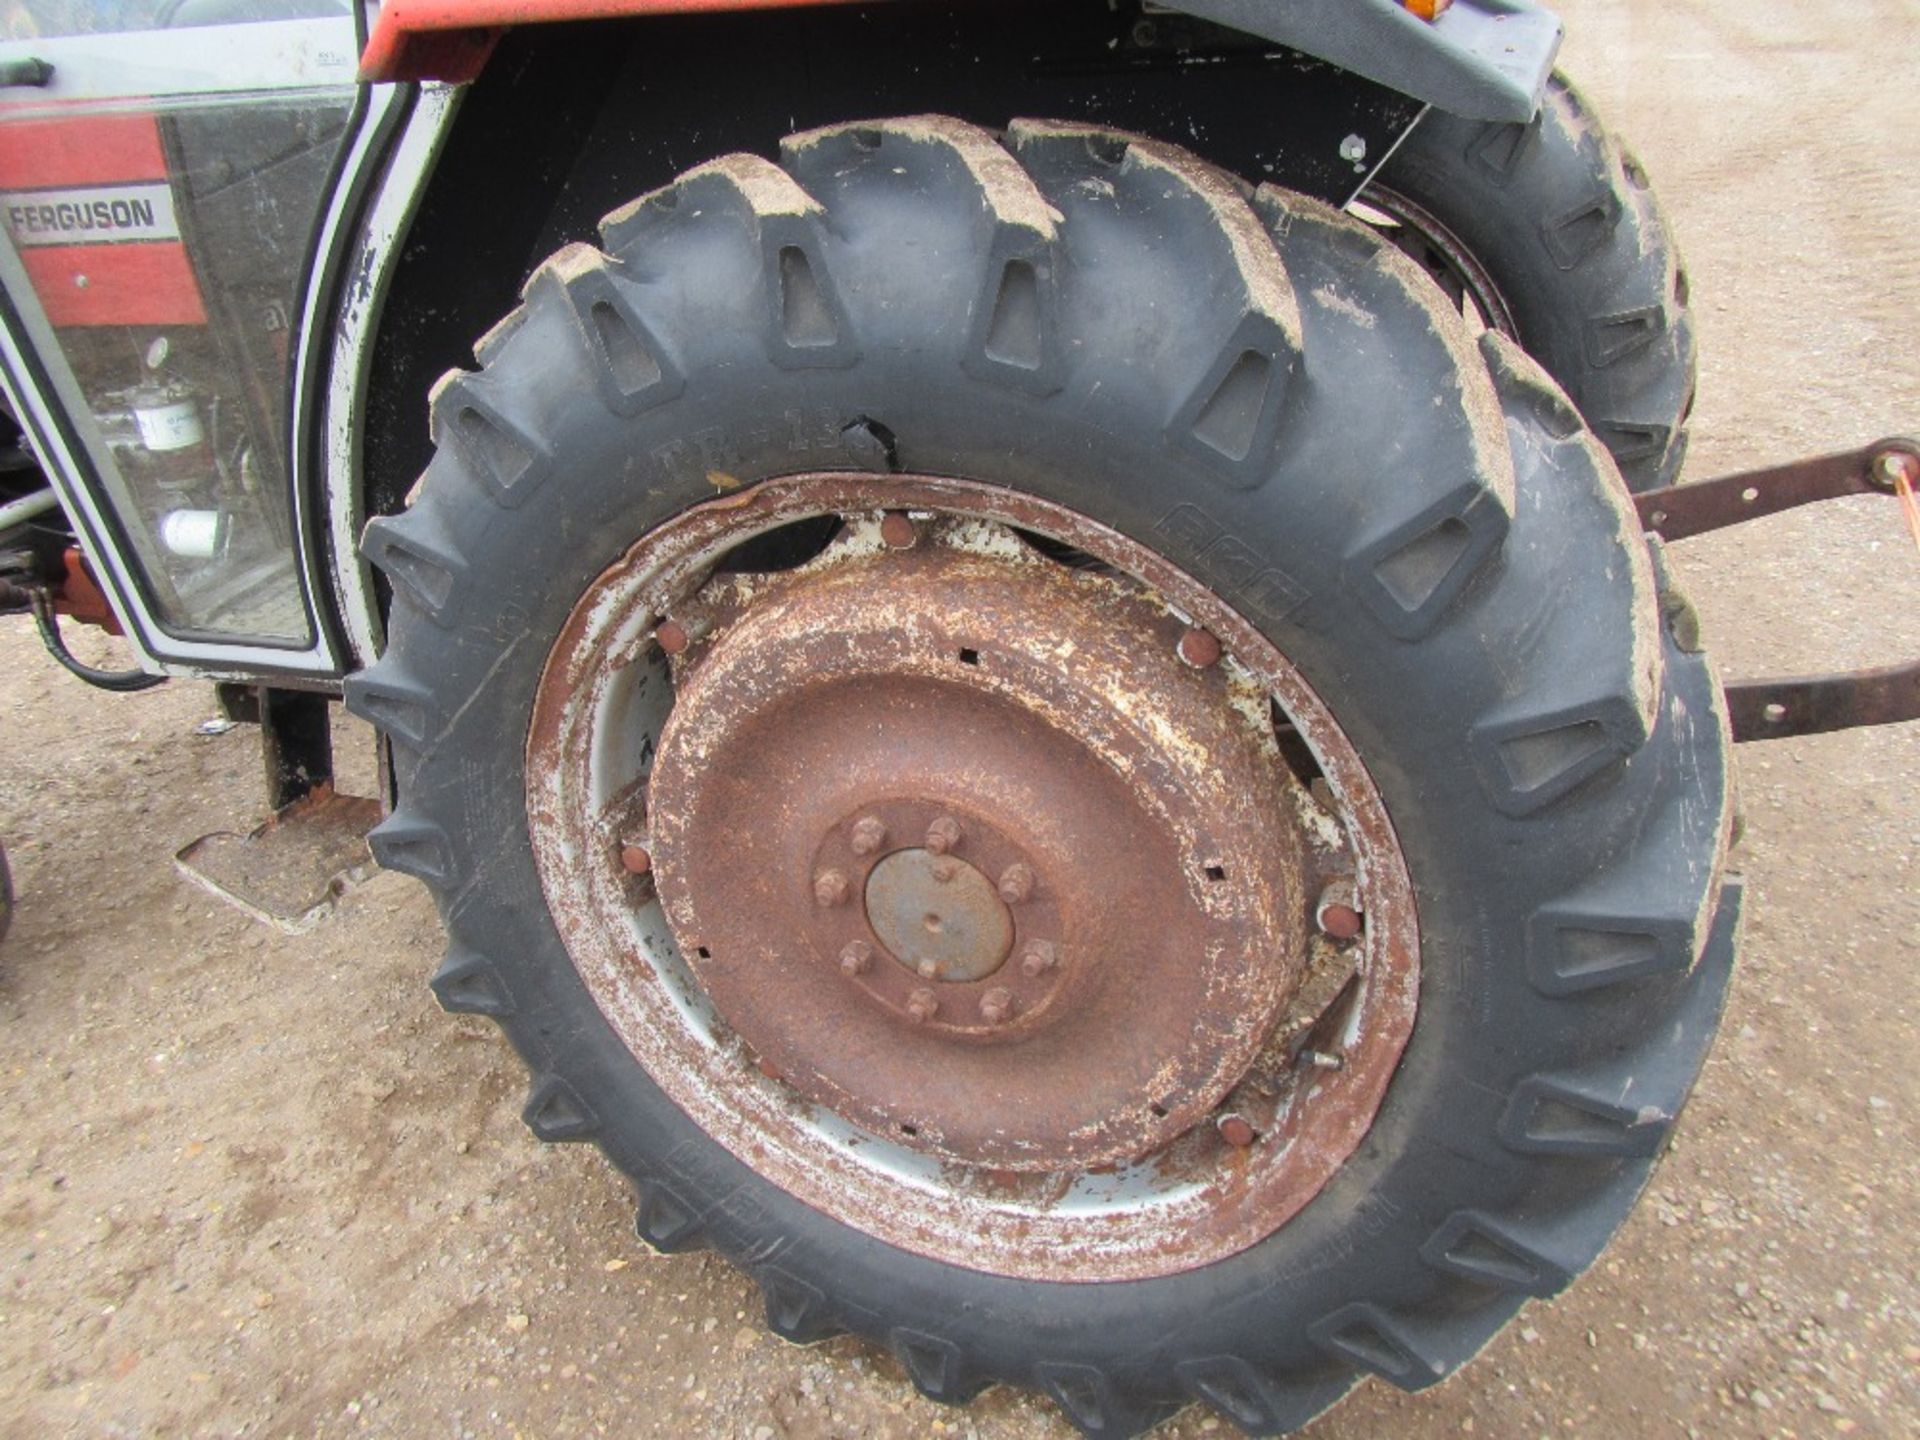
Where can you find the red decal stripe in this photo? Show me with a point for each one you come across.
(143, 284)
(86, 150)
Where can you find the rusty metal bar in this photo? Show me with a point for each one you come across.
(1814, 704)
(1807, 704)
(1681, 511)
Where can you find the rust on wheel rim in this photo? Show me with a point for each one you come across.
(986, 906)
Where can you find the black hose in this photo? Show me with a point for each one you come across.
(122, 682)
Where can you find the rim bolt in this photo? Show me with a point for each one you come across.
(856, 958)
(1040, 957)
(1016, 882)
(922, 1006)
(1236, 1130)
(1199, 648)
(898, 530)
(634, 858)
(673, 637)
(869, 834)
(1323, 1060)
(943, 834)
(996, 1005)
(830, 888)
(1338, 913)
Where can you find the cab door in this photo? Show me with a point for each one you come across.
(172, 178)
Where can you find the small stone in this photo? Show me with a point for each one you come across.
(518, 1323)
(1530, 1335)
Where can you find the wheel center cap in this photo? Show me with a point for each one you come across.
(938, 916)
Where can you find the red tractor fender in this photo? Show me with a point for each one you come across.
(1481, 59)
(451, 39)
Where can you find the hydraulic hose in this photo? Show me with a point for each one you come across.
(123, 682)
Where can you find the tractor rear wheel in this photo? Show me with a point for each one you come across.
(1051, 758)
(1549, 233)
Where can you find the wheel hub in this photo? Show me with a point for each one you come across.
(1055, 903)
(938, 916)
(1179, 960)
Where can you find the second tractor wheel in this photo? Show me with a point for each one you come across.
(1054, 760)
(1549, 232)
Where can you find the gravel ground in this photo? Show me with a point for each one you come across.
(257, 1185)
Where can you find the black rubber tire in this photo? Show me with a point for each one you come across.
(1422, 526)
(1562, 220)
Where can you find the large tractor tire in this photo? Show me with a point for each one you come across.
(1052, 759)
(1551, 234)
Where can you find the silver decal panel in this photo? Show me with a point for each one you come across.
(94, 215)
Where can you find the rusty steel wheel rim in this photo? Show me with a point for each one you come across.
(980, 879)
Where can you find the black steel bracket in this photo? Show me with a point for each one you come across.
(1805, 704)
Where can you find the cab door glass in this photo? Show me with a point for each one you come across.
(162, 193)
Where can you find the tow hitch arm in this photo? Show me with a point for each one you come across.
(1805, 704)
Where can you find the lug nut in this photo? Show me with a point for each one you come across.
(1040, 957)
(898, 530)
(922, 1006)
(673, 637)
(856, 958)
(943, 834)
(869, 834)
(1199, 648)
(634, 858)
(996, 1005)
(830, 888)
(1337, 912)
(1236, 1130)
(1016, 882)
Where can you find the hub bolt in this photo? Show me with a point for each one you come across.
(830, 888)
(1016, 882)
(927, 970)
(1040, 957)
(922, 1006)
(1236, 1130)
(869, 834)
(943, 834)
(1199, 648)
(856, 958)
(1338, 913)
(634, 858)
(898, 530)
(996, 1005)
(944, 871)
